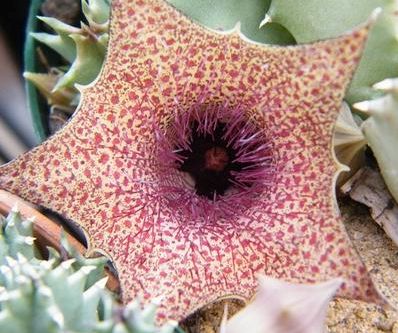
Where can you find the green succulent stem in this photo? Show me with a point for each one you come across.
(56, 296)
(381, 131)
(312, 20)
(83, 48)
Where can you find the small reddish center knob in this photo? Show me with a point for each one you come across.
(216, 159)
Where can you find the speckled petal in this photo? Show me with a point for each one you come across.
(101, 169)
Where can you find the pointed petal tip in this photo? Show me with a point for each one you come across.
(80, 87)
(375, 15)
(371, 20)
(343, 168)
(387, 85)
(266, 19)
(238, 27)
(363, 106)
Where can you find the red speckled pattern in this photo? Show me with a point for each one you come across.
(101, 170)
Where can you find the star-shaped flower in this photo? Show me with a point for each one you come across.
(175, 100)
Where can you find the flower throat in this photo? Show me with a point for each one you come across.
(213, 159)
(210, 161)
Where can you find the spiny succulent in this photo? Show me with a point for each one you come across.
(43, 297)
(16, 236)
(66, 98)
(56, 296)
(83, 50)
(381, 131)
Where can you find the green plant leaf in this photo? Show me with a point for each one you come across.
(224, 14)
(312, 20)
(59, 42)
(381, 131)
(96, 11)
(87, 64)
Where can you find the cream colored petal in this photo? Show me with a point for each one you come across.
(283, 307)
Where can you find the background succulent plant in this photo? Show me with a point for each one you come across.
(381, 131)
(82, 50)
(16, 237)
(43, 296)
(349, 142)
(315, 20)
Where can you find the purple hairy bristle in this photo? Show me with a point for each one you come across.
(210, 161)
(211, 157)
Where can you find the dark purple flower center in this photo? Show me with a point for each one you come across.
(213, 161)
(210, 161)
